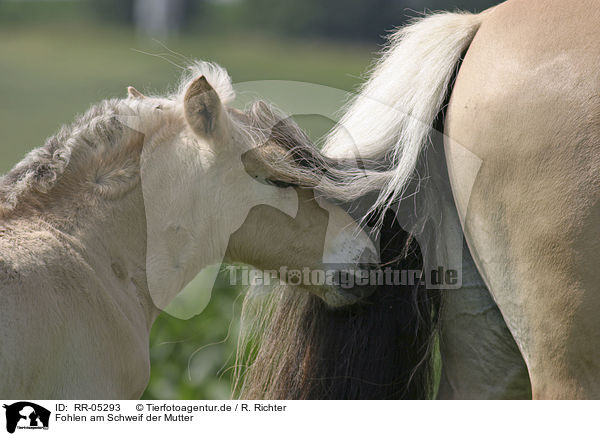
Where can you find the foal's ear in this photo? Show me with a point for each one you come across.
(134, 93)
(203, 109)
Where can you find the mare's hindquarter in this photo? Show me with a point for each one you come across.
(526, 107)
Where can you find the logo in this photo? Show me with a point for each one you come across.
(26, 415)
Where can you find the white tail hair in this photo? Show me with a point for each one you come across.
(392, 117)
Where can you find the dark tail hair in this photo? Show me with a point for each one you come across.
(295, 347)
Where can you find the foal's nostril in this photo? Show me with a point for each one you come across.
(364, 279)
(356, 280)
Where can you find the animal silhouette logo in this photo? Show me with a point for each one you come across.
(26, 415)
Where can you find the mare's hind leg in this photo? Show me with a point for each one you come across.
(480, 359)
(532, 223)
(547, 286)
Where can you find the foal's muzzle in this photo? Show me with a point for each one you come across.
(354, 283)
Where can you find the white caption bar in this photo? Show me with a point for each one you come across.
(296, 417)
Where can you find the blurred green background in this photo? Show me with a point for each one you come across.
(59, 57)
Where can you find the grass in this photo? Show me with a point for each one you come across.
(52, 69)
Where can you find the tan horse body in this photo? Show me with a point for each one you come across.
(526, 102)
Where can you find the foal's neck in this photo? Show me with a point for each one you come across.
(110, 235)
(119, 233)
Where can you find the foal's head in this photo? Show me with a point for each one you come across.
(227, 183)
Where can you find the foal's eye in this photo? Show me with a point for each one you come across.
(279, 183)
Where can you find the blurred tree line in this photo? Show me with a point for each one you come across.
(364, 20)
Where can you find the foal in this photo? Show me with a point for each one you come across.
(102, 226)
